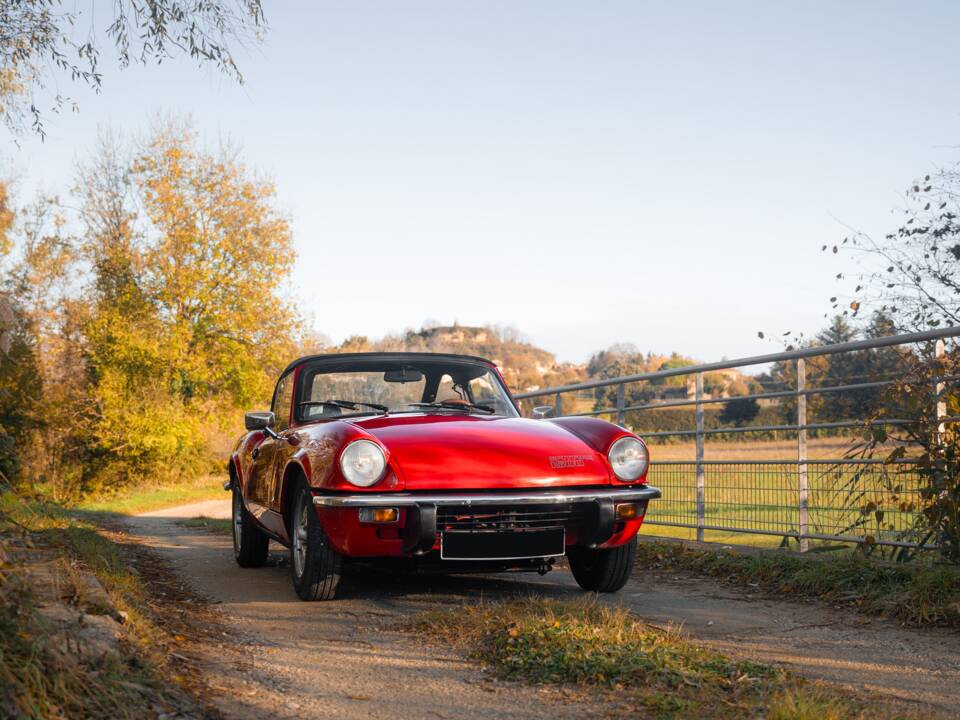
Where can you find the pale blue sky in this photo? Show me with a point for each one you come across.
(589, 172)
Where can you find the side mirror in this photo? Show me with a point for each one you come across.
(259, 420)
(542, 411)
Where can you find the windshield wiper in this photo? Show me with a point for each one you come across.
(347, 404)
(454, 405)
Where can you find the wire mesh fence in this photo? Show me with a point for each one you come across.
(842, 497)
(861, 500)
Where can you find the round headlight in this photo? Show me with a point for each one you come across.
(629, 458)
(362, 463)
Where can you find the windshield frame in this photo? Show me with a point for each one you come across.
(373, 362)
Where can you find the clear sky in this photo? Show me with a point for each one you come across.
(590, 172)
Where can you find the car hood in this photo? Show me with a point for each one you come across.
(474, 452)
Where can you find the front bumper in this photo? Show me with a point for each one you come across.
(543, 497)
(421, 509)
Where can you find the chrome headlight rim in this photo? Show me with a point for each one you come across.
(629, 458)
(375, 455)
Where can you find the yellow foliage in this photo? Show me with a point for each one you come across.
(6, 220)
(162, 322)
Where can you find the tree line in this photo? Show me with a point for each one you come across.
(146, 310)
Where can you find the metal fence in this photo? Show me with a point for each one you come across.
(801, 498)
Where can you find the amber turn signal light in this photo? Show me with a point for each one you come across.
(626, 511)
(379, 515)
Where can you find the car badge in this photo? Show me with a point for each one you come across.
(560, 462)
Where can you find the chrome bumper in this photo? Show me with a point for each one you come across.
(543, 497)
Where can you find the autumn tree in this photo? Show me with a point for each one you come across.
(42, 41)
(17, 362)
(912, 274)
(617, 361)
(910, 281)
(739, 411)
(187, 325)
(8, 319)
(218, 256)
(154, 321)
(41, 369)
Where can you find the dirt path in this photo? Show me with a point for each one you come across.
(341, 659)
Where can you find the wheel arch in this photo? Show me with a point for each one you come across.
(292, 473)
(234, 472)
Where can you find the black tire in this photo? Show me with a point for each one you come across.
(315, 566)
(250, 545)
(603, 571)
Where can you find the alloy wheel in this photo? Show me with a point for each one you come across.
(300, 540)
(237, 519)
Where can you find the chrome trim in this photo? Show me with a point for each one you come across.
(488, 498)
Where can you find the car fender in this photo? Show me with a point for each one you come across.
(242, 458)
(318, 455)
(297, 466)
(598, 434)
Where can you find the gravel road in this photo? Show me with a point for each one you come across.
(342, 659)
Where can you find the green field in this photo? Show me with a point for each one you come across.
(861, 500)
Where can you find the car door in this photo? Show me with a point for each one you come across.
(265, 454)
(283, 449)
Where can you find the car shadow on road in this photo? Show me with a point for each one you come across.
(203, 556)
(388, 585)
(371, 582)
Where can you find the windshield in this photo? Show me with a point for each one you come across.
(374, 386)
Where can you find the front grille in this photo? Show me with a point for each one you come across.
(570, 516)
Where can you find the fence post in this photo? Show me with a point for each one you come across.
(621, 416)
(803, 494)
(700, 472)
(557, 406)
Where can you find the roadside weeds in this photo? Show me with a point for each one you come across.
(920, 593)
(81, 635)
(641, 668)
(131, 501)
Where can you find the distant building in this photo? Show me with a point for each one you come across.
(455, 334)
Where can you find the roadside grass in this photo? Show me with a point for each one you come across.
(132, 501)
(921, 592)
(42, 673)
(218, 526)
(585, 644)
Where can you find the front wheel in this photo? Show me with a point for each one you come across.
(602, 570)
(250, 545)
(314, 564)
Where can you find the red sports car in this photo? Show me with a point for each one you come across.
(423, 458)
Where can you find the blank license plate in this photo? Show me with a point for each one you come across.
(517, 545)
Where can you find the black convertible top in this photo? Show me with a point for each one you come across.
(386, 356)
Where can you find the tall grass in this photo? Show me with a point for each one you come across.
(919, 593)
(636, 668)
(40, 675)
(144, 498)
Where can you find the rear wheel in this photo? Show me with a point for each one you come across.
(314, 565)
(603, 570)
(250, 545)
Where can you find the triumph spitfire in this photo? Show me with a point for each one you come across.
(423, 459)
